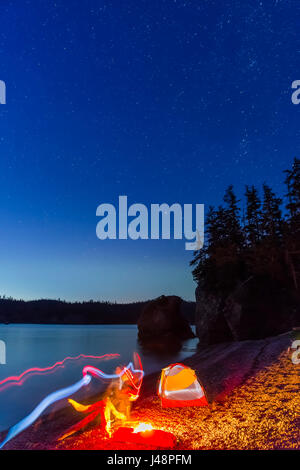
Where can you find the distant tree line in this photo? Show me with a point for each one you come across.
(46, 311)
(262, 240)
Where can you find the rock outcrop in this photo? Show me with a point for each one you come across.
(162, 326)
(211, 325)
(257, 308)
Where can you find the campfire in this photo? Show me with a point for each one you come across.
(142, 427)
(114, 411)
(145, 434)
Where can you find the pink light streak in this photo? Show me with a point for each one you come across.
(17, 380)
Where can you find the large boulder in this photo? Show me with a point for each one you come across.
(161, 323)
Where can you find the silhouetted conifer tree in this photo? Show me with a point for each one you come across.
(266, 245)
(232, 225)
(272, 221)
(292, 226)
(293, 195)
(253, 216)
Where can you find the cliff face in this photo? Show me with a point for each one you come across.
(211, 325)
(256, 309)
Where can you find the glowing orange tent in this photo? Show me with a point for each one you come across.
(179, 386)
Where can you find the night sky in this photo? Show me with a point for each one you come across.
(162, 101)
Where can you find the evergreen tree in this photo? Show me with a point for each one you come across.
(267, 257)
(292, 232)
(272, 221)
(203, 257)
(266, 246)
(293, 185)
(253, 216)
(232, 219)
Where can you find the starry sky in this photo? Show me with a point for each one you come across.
(162, 101)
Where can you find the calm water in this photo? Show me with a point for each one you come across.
(30, 346)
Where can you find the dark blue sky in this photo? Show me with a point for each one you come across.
(163, 101)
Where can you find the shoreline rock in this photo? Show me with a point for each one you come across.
(161, 325)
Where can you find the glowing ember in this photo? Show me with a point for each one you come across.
(143, 427)
(145, 435)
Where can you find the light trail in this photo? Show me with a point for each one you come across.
(52, 398)
(20, 379)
